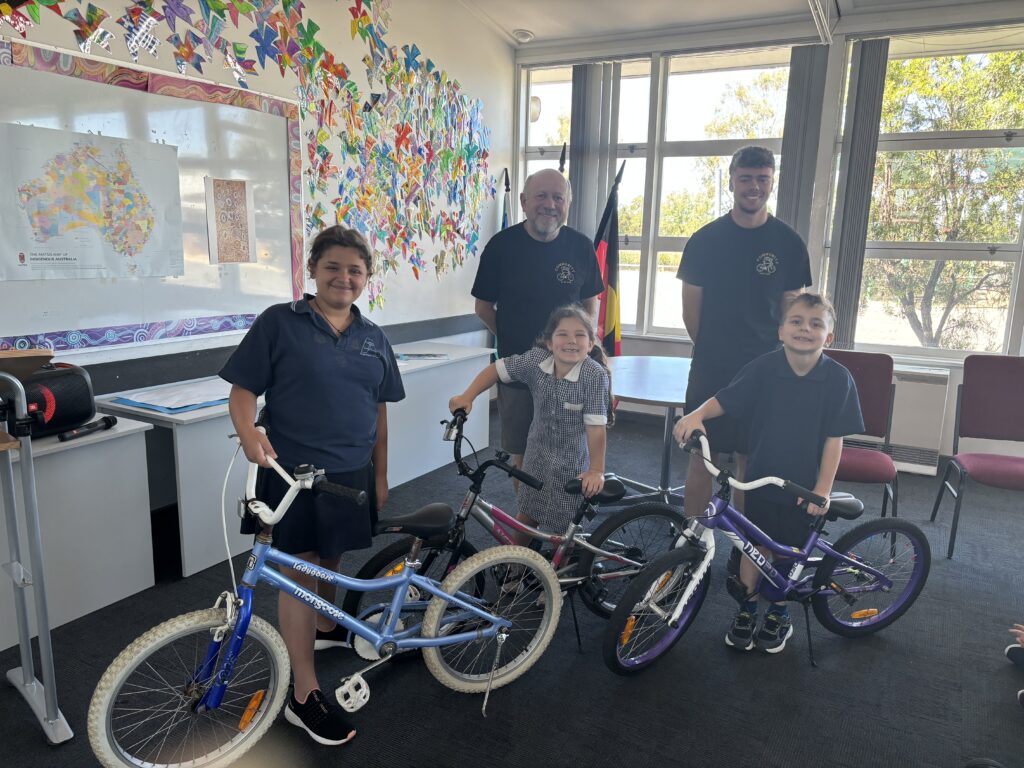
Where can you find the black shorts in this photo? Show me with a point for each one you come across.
(783, 521)
(725, 435)
(319, 522)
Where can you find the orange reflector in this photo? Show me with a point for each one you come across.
(396, 570)
(627, 632)
(250, 709)
(663, 580)
(867, 613)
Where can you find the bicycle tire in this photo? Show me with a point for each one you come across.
(116, 730)
(638, 633)
(641, 532)
(521, 586)
(436, 563)
(905, 559)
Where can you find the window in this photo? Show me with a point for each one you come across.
(549, 113)
(710, 112)
(947, 204)
(632, 126)
(729, 104)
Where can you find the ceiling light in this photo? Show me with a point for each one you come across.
(523, 35)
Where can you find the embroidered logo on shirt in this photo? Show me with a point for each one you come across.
(565, 273)
(767, 263)
(369, 349)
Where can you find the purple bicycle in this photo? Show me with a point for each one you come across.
(861, 584)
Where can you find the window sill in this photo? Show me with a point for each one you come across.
(925, 366)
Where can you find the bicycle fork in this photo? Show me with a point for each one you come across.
(706, 541)
(238, 611)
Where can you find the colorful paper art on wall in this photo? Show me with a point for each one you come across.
(89, 31)
(405, 163)
(13, 15)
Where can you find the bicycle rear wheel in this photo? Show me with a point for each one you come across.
(894, 547)
(641, 533)
(638, 632)
(141, 713)
(519, 585)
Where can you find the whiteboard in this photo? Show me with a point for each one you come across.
(212, 140)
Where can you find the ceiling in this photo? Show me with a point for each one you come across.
(556, 20)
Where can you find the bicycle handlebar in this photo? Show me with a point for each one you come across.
(453, 433)
(307, 477)
(699, 440)
(521, 476)
(322, 485)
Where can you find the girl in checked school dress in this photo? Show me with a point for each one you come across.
(568, 377)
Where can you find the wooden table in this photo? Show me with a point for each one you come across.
(660, 381)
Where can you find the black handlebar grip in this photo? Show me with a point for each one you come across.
(806, 495)
(322, 485)
(524, 477)
(693, 441)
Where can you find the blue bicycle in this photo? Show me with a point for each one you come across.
(861, 584)
(200, 689)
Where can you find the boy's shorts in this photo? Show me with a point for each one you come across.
(783, 521)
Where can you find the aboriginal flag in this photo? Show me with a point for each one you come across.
(607, 246)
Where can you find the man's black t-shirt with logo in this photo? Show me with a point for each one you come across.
(744, 273)
(529, 279)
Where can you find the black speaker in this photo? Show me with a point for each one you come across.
(59, 395)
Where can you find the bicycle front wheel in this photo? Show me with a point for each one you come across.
(141, 713)
(640, 533)
(638, 632)
(893, 546)
(519, 585)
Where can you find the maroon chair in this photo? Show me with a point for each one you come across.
(872, 373)
(990, 406)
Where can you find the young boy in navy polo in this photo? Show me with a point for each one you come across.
(797, 405)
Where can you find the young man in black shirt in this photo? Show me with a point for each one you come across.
(526, 272)
(738, 272)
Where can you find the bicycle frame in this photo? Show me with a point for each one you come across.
(499, 523)
(378, 634)
(746, 537)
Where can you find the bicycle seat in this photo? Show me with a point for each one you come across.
(844, 505)
(613, 489)
(431, 520)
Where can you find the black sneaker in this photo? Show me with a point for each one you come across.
(741, 634)
(1015, 653)
(334, 638)
(775, 631)
(324, 722)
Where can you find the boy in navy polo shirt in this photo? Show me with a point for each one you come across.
(797, 405)
(327, 373)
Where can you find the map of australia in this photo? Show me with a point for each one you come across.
(80, 189)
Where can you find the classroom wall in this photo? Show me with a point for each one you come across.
(457, 42)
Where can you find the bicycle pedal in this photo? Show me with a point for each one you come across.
(353, 693)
